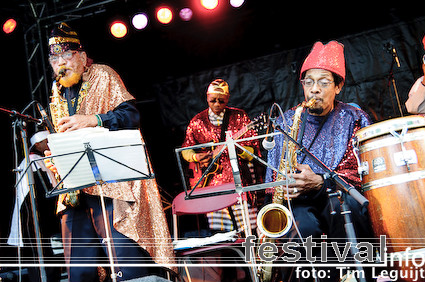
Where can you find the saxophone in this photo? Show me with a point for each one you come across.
(275, 220)
(57, 111)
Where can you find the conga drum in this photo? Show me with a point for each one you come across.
(392, 162)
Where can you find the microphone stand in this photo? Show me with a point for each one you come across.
(391, 80)
(20, 124)
(344, 187)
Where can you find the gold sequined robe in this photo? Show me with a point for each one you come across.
(138, 212)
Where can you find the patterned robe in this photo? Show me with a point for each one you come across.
(138, 212)
(332, 145)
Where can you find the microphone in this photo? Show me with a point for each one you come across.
(394, 52)
(268, 142)
(45, 118)
(389, 46)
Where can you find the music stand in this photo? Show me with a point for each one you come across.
(229, 144)
(96, 162)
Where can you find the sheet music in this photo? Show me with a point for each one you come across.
(130, 152)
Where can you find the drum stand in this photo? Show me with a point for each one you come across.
(344, 190)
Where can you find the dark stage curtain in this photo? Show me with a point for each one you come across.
(256, 84)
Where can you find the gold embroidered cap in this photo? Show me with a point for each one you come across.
(63, 38)
(218, 86)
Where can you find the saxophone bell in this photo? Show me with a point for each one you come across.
(274, 220)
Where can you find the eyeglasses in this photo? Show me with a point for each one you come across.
(324, 82)
(65, 55)
(220, 101)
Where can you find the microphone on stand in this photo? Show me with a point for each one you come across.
(45, 118)
(394, 52)
(269, 142)
(391, 49)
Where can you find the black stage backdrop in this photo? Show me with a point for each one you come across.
(256, 84)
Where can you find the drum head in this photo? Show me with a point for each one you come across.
(385, 127)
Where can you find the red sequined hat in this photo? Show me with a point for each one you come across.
(328, 57)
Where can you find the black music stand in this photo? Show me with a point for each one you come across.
(230, 144)
(89, 155)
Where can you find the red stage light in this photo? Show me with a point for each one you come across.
(118, 29)
(209, 4)
(164, 15)
(9, 26)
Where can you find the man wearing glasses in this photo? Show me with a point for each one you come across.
(326, 130)
(89, 95)
(210, 125)
(416, 102)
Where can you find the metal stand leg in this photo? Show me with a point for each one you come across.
(108, 238)
(30, 178)
(243, 203)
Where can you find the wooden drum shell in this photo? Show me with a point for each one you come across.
(396, 192)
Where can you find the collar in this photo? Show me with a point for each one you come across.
(216, 120)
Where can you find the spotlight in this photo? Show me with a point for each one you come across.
(236, 3)
(164, 15)
(186, 14)
(209, 4)
(9, 26)
(118, 29)
(140, 21)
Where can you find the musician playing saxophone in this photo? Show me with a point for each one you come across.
(90, 95)
(326, 130)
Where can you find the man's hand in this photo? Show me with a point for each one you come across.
(76, 122)
(48, 162)
(306, 180)
(203, 158)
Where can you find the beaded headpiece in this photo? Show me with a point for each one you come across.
(63, 38)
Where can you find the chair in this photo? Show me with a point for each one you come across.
(221, 252)
(203, 205)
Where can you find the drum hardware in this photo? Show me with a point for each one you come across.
(403, 148)
(362, 167)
